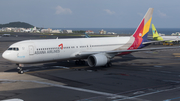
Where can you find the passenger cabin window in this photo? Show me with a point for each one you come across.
(13, 48)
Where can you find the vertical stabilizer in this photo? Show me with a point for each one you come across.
(86, 35)
(140, 35)
(144, 26)
(154, 31)
(155, 34)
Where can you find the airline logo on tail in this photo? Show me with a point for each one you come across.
(142, 30)
(140, 35)
(154, 31)
(144, 26)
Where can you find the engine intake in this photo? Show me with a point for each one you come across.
(97, 60)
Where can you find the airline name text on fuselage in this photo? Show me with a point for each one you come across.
(47, 51)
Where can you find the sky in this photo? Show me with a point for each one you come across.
(90, 13)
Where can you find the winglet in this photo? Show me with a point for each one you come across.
(144, 26)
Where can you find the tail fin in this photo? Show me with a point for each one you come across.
(155, 34)
(86, 35)
(143, 27)
(154, 31)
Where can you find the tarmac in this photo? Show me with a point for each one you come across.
(139, 76)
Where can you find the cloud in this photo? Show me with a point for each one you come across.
(161, 14)
(60, 10)
(109, 11)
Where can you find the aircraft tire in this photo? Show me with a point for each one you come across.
(83, 62)
(80, 62)
(20, 71)
(109, 64)
(77, 62)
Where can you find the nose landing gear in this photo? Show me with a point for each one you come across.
(20, 70)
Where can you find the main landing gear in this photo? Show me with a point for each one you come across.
(80, 62)
(109, 64)
(20, 70)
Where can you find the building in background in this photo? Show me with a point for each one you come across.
(55, 31)
(111, 33)
(49, 30)
(15, 29)
(102, 32)
(67, 31)
(176, 34)
(89, 32)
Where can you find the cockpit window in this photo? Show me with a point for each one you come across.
(13, 48)
(9, 48)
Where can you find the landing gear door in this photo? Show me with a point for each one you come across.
(31, 50)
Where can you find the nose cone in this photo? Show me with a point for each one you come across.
(6, 55)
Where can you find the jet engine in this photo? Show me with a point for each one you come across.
(97, 60)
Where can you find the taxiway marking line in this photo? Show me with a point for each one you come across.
(146, 94)
(172, 99)
(169, 63)
(176, 54)
(162, 64)
(67, 87)
(54, 69)
(43, 71)
(160, 56)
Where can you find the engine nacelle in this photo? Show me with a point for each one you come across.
(97, 60)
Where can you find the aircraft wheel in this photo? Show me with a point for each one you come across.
(108, 64)
(20, 71)
(80, 62)
(83, 62)
(19, 68)
(77, 62)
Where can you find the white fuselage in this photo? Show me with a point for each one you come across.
(35, 51)
(173, 38)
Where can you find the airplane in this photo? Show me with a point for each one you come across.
(6, 35)
(97, 51)
(168, 40)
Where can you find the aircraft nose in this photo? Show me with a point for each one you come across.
(6, 55)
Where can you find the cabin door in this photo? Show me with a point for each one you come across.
(31, 50)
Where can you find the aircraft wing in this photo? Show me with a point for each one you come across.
(154, 41)
(144, 43)
(85, 53)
